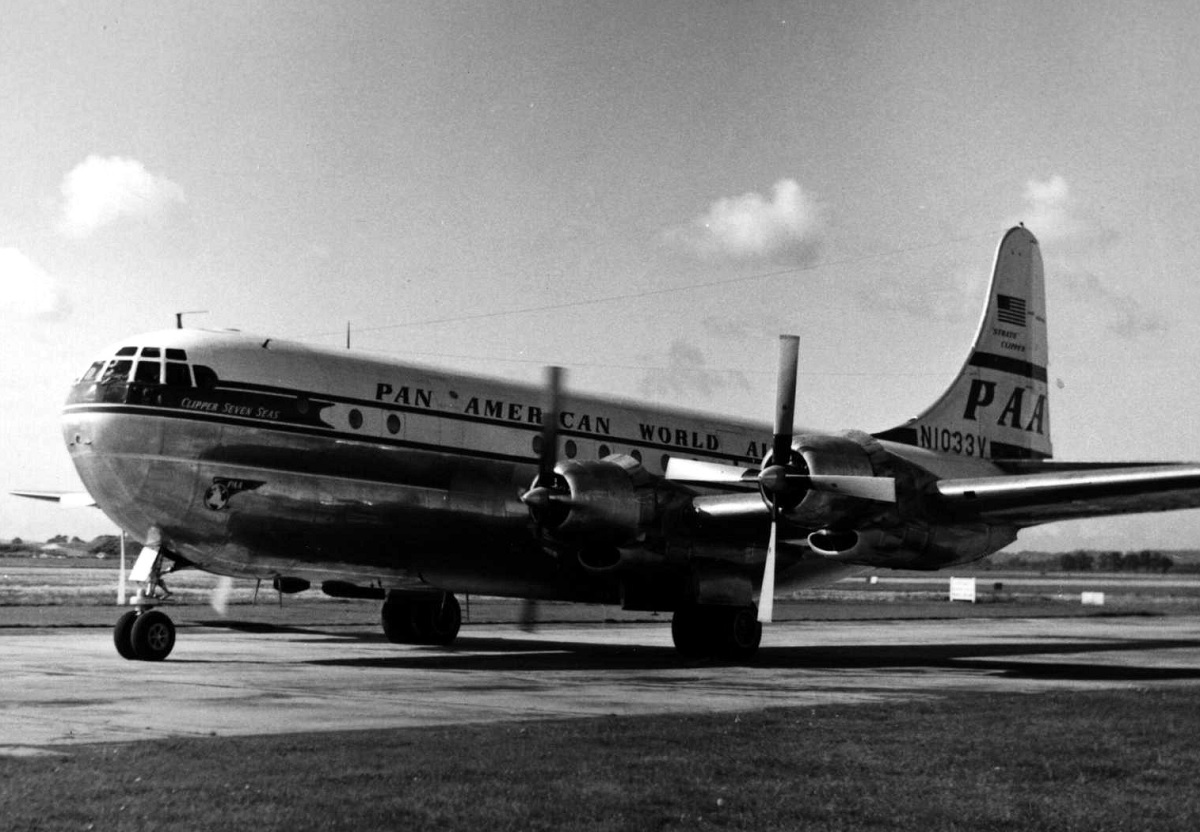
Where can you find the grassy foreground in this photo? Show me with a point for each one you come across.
(1093, 761)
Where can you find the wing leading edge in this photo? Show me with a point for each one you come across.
(1048, 492)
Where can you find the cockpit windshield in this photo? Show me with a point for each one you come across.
(140, 375)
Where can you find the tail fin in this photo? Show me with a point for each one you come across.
(997, 407)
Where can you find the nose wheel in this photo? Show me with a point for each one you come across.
(144, 635)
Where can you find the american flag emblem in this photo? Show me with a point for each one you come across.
(1010, 310)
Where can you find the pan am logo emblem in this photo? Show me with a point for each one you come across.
(221, 491)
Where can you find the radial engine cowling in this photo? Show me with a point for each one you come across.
(611, 501)
(826, 455)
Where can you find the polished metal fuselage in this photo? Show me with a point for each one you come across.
(271, 459)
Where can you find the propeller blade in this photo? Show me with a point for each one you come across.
(785, 398)
(548, 457)
(766, 596)
(880, 489)
(697, 471)
(220, 594)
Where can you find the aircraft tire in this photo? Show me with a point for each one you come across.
(153, 636)
(445, 619)
(397, 620)
(691, 631)
(123, 635)
(436, 622)
(740, 633)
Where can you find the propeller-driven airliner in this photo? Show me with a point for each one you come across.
(247, 456)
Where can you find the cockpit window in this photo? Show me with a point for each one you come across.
(176, 354)
(148, 372)
(205, 377)
(177, 375)
(151, 352)
(93, 371)
(127, 351)
(117, 372)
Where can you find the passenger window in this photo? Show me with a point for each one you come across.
(177, 375)
(147, 372)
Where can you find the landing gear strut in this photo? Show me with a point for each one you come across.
(411, 619)
(710, 631)
(144, 633)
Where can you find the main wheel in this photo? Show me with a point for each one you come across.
(152, 636)
(691, 632)
(123, 635)
(740, 633)
(397, 619)
(445, 619)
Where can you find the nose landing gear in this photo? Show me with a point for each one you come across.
(144, 633)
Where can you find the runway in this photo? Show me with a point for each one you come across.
(67, 685)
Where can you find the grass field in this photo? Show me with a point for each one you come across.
(1047, 762)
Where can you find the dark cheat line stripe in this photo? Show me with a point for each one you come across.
(1005, 364)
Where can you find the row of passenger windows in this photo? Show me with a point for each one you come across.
(569, 447)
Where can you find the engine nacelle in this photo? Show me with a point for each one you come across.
(912, 546)
(824, 455)
(611, 502)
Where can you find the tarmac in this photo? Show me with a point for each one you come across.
(66, 685)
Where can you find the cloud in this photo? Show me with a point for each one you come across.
(1055, 215)
(26, 289)
(687, 373)
(786, 227)
(1126, 316)
(101, 190)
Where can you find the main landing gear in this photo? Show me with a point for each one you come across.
(145, 633)
(421, 619)
(702, 631)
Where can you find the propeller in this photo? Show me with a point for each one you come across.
(546, 488)
(547, 496)
(219, 599)
(773, 478)
(699, 472)
(780, 475)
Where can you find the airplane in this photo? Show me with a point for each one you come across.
(248, 456)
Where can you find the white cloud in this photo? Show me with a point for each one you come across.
(26, 289)
(751, 227)
(101, 190)
(1054, 214)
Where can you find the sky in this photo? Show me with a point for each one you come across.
(645, 193)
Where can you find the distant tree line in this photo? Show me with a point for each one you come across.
(1146, 561)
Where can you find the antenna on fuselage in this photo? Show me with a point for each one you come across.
(179, 316)
(347, 335)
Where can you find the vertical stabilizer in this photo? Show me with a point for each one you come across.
(998, 406)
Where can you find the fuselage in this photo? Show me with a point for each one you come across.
(258, 457)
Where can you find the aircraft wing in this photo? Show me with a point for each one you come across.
(70, 499)
(1046, 492)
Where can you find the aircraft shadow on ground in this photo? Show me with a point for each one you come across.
(1025, 660)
